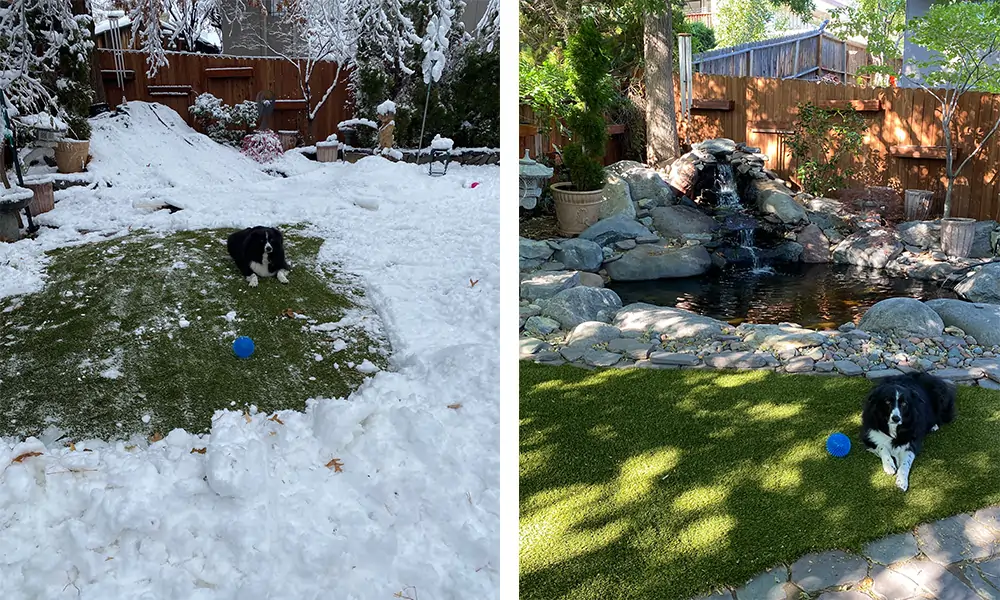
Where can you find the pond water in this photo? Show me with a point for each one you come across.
(816, 296)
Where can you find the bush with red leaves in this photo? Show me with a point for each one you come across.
(262, 146)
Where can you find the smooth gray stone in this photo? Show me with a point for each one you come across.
(892, 549)
(814, 572)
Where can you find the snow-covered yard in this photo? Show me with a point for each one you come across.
(392, 490)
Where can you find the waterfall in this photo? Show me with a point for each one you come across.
(726, 184)
(747, 241)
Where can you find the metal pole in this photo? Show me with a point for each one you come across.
(423, 123)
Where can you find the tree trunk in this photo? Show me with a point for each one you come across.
(661, 118)
(949, 166)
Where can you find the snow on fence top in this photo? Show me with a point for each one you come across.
(351, 123)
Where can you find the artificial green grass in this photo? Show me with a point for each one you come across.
(102, 345)
(664, 484)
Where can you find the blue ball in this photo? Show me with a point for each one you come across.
(838, 444)
(243, 346)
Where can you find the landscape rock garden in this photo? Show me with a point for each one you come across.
(652, 229)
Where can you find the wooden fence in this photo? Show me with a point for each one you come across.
(807, 55)
(233, 79)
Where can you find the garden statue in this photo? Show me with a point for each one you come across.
(387, 116)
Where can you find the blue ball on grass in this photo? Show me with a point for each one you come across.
(838, 444)
(243, 346)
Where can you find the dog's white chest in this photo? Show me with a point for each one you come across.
(261, 268)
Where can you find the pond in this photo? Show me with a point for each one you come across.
(818, 296)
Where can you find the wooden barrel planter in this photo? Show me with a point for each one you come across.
(44, 197)
(917, 204)
(71, 155)
(957, 235)
(575, 211)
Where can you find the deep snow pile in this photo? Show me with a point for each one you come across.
(259, 508)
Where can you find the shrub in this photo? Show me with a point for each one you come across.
(590, 83)
(821, 139)
(262, 146)
(224, 124)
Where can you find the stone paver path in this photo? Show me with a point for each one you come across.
(957, 558)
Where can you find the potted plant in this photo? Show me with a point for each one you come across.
(72, 153)
(578, 201)
(75, 95)
(957, 236)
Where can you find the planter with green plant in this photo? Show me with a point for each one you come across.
(578, 201)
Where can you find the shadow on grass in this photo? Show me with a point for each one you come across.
(663, 484)
(137, 327)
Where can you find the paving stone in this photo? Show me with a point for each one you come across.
(800, 364)
(978, 583)
(892, 549)
(955, 539)
(989, 384)
(895, 585)
(940, 582)
(990, 570)
(727, 595)
(772, 584)
(648, 364)
(959, 374)
(601, 358)
(548, 356)
(673, 358)
(572, 354)
(989, 517)
(850, 595)
(847, 367)
(529, 346)
(631, 348)
(735, 360)
(814, 572)
(882, 374)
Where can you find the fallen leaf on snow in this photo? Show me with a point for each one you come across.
(289, 313)
(246, 416)
(473, 282)
(275, 418)
(455, 406)
(24, 456)
(198, 450)
(157, 436)
(336, 465)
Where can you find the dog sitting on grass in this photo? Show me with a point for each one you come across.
(259, 251)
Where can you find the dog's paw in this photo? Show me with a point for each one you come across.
(889, 466)
(902, 482)
(282, 276)
(252, 280)
(935, 428)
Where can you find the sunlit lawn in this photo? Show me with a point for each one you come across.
(664, 484)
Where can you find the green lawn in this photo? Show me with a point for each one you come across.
(130, 336)
(662, 484)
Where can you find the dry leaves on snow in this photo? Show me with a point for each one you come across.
(275, 418)
(198, 450)
(25, 456)
(473, 282)
(155, 437)
(336, 465)
(455, 406)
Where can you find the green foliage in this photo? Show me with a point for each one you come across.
(702, 36)
(590, 85)
(821, 139)
(882, 23)
(544, 86)
(961, 36)
(223, 123)
(743, 21)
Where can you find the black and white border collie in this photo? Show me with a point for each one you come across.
(259, 251)
(898, 413)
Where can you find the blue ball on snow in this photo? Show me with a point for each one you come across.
(243, 346)
(838, 444)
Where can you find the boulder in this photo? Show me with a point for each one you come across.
(620, 168)
(643, 183)
(869, 248)
(774, 198)
(982, 286)
(675, 221)
(534, 249)
(684, 172)
(674, 323)
(923, 234)
(590, 333)
(981, 321)
(616, 199)
(580, 255)
(544, 285)
(783, 337)
(541, 326)
(651, 261)
(981, 242)
(786, 252)
(591, 280)
(614, 229)
(716, 147)
(815, 246)
(902, 317)
(581, 304)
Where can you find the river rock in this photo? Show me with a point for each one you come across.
(529, 346)
(590, 333)
(674, 323)
(534, 249)
(644, 184)
(982, 286)
(981, 242)
(902, 317)
(925, 234)
(541, 326)
(616, 199)
(716, 147)
(815, 246)
(631, 348)
(651, 261)
(675, 221)
(600, 358)
(580, 255)
(546, 284)
(581, 304)
(869, 248)
(783, 337)
(775, 199)
(591, 280)
(735, 360)
(981, 321)
(614, 229)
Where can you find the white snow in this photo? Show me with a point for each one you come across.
(264, 513)
(351, 123)
(442, 143)
(43, 120)
(386, 107)
(366, 366)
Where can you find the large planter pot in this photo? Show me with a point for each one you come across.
(957, 235)
(289, 139)
(44, 199)
(917, 204)
(327, 151)
(71, 155)
(575, 211)
(11, 201)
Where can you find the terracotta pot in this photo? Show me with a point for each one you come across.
(71, 155)
(957, 235)
(575, 211)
